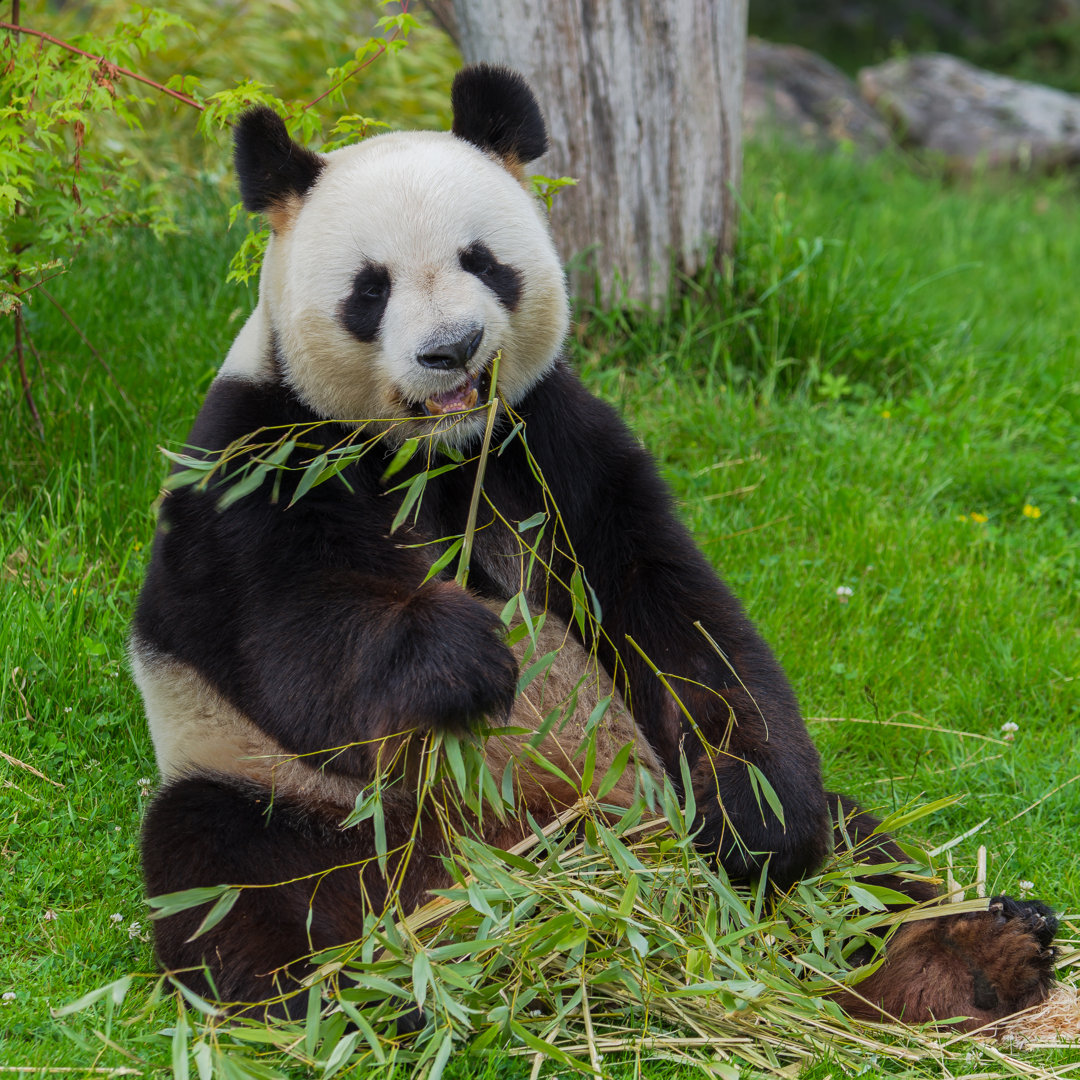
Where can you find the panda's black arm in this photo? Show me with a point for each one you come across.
(311, 620)
(654, 585)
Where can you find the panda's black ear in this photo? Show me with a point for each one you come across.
(272, 169)
(494, 109)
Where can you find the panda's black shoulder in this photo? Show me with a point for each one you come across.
(235, 407)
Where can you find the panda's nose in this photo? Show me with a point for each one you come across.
(451, 355)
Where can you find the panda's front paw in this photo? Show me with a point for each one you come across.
(459, 670)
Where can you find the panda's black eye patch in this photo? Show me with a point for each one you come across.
(363, 309)
(503, 280)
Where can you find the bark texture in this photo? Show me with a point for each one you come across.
(643, 101)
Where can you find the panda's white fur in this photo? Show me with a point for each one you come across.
(411, 202)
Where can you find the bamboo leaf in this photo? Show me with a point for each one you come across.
(412, 495)
(243, 487)
(577, 593)
(530, 523)
(536, 669)
(173, 903)
(310, 477)
(401, 458)
(421, 976)
(443, 560)
(218, 912)
(615, 770)
(179, 1047)
(114, 992)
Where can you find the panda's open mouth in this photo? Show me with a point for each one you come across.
(473, 390)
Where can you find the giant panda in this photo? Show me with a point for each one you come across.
(286, 653)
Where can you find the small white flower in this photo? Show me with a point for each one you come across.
(1010, 726)
(1025, 887)
(9, 995)
(133, 930)
(116, 917)
(116, 828)
(67, 708)
(843, 592)
(49, 916)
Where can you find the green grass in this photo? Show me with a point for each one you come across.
(829, 414)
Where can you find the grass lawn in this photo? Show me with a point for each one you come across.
(871, 421)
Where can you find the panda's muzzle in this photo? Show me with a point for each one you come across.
(454, 356)
(451, 355)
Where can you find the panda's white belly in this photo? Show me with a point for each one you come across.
(195, 728)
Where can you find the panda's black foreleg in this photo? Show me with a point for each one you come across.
(704, 688)
(212, 830)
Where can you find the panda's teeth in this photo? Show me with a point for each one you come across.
(461, 399)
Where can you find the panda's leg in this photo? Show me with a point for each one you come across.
(315, 882)
(982, 965)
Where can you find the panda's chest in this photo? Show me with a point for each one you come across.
(509, 543)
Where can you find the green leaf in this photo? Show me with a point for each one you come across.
(535, 669)
(577, 592)
(615, 770)
(310, 477)
(340, 1054)
(412, 495)
(173, 903)
(421, 976)
(401, 458)
(179, 1047)
(443, 560)
(114, 991)
(218, 912)
(531, 522)
(183, 478)
(864, 897)
(313, 1019)
(905, 817)
(761, 786)
(442, 1056)
(236, 491)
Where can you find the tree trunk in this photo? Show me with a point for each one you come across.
(642, 100)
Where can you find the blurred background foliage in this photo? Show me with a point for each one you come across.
(289, 47)
(1037, 40)
(132, 145)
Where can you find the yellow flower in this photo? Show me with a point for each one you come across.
(885, 414)
(1031, 511)
(982, 519)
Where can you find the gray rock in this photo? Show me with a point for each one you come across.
(972, 116)
(796, 93)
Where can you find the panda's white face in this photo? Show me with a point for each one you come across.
(392, 284)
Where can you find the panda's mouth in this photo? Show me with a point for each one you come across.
(471, 391)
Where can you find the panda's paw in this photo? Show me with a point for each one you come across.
(460, 670)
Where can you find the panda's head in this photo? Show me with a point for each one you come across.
(397, 268)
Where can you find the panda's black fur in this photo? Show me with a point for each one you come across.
(306, 629)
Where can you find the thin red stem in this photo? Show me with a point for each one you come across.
(371, 59)
(101, 60)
